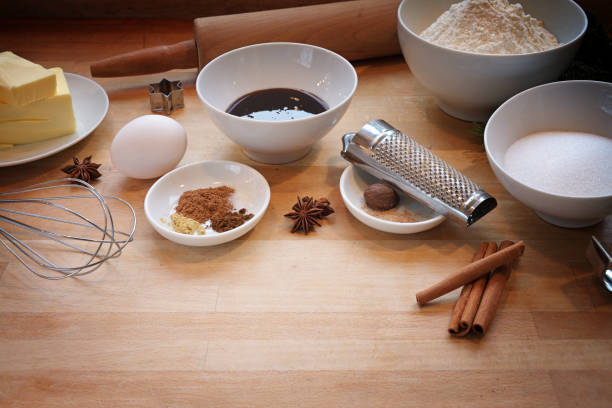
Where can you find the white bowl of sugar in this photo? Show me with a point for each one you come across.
(550, 146)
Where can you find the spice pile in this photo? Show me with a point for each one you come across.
(208, 204)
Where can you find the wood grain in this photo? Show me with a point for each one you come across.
(279, 319)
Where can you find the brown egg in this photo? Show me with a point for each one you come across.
(380, 197)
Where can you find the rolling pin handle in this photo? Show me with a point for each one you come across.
(148, 61)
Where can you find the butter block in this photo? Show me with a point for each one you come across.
(40, 120)
(22, 81)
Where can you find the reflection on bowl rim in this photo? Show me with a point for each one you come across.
(272, 44)
(518, 95)
(523, 55)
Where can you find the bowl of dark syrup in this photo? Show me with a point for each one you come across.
(276, 100)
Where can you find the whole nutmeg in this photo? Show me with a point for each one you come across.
(380, 197)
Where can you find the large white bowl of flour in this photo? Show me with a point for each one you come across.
(550, 146)
(470, 85)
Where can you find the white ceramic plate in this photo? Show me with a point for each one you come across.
(90, 104)
(251, 192)
(352, 185)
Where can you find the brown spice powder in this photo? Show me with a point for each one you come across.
(230, 220)
(212, 204)
(205, 203)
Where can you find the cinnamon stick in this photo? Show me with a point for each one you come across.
(478, 287)
(453, 325)
(471, 272)
(492, 295)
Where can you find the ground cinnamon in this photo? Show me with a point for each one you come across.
(212, 204)
(205, 203)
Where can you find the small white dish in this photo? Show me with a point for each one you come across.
(252, 192)
(276, 65)
(353, 183)
(90, 104)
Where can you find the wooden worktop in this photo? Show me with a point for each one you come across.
(279, 319)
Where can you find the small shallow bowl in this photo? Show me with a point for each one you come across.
(276, 65)
(252, 192)
(581, 106)
(353, 183)
(470, 86)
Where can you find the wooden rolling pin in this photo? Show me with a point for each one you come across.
(354, 29)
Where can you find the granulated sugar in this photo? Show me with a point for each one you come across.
(566, 163)
(489, 27)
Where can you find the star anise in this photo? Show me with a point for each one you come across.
(323, 204)
(305, 215)
(306, 212)
(85, 170)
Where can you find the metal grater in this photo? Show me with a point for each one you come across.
(399, 160)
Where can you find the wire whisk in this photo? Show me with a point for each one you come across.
(62, 228)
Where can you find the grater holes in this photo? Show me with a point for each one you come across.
(426, 172)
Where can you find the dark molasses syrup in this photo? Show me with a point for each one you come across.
(276, 104)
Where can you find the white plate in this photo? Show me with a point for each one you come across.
(353, 183)
(251, 192)
(90, 104)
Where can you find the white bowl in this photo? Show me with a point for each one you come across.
(353, 183)
(581, 106)
(252, 192)
(276, 65)
(470, 86)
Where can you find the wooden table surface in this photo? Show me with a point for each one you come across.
(280, 319)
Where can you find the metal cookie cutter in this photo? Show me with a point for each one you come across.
(388, 154)
(601, 260)
(166, 96)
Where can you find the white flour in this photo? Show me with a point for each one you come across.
(489, 27)
(566, 163)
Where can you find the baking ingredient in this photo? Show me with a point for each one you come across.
(212, 204)
(148, 146)
(394, 215)
(277, 104)
(492, 295)
(205, 203)
(22, 81)
(489, 27)
(44, 119)
(453, 326)
(185, 225)
(476, 306)
(380, 197)
(307, 211)
(471, 272)
(325, 206)
(565, 163)
(473, 300)
(85, 170)
(230, 220)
